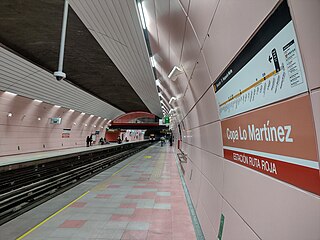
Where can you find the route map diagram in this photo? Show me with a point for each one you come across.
(273, 74)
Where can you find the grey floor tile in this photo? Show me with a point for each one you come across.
(162, 206)
(138, 226)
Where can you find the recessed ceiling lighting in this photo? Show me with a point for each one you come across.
(10, 93)
(39, 118)
(10, 114)
(57, 106)
(71, 110)
(36, 100)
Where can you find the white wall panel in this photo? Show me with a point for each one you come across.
(28, 80)
(116, 27)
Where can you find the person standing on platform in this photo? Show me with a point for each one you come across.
(171, 140)
(88, 141)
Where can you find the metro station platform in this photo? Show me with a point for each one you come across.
(139, 198)
(26, 159)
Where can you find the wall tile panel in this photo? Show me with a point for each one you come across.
(200, 80)
(306, 18)
(212, 169)
(315, 100)
(200, 14)
(206, 226)
(190, 50)
(211, 201)
(235, 227)
(235, 21)
(260, 200)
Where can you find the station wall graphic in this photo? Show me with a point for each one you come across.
(267, 121)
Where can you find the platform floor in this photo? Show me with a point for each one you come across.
(27, 157)
(140, 198)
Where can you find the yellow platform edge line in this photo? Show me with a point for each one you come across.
(48, 218)
(121, 169)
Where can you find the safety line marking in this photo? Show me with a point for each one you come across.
(122, 168)
(48, 218)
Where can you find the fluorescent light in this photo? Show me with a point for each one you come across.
(10, 114)
(85, 124)
(10, 93)
(172, 99)
(74, 123)
(83, 113)
(143, 21)
(152, 61)
(39, 118)
(57, 106)
(39, 101)
(174, 73)
(71, 110)
(91, 115)
(158, 82)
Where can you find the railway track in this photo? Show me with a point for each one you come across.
(25, 188)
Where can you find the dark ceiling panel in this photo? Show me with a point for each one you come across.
(32, 29)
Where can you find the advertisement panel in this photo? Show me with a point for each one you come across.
(66, 133)
(269, 69)
(278, 140)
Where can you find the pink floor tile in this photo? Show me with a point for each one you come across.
(128, 205)
(159, 236)
(134, 234)
(78, 205)
(161, 227)
(184, 234)
(72, 224)
(119, 217)
(114, 186)
(141, 186)
(133, 196)
(143, 211)
(163, 199)
(104, 196)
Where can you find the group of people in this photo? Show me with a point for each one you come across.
(89, 141)
(163, 140)
(102, 141)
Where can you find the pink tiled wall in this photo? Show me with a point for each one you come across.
(255, 206)
(25, 131)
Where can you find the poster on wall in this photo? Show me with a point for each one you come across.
(66, 133)
(278, 140)
(269, 69)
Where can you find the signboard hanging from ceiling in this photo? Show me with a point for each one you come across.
(264, 126)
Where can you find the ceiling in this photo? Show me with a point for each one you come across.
(105, 56)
